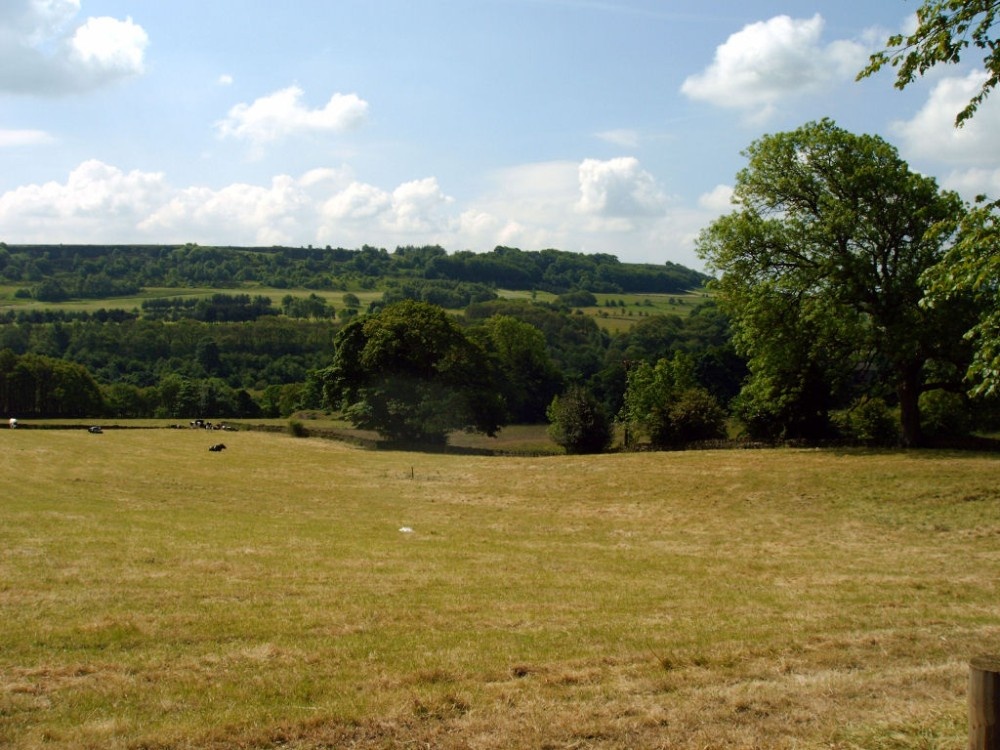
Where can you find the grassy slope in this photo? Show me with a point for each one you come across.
(154, 594)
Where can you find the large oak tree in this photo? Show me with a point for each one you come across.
(821, 266)
(410, 373)
(946, 30)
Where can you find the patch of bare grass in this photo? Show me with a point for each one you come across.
(154, 594)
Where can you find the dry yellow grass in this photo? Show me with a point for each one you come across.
(156, 595)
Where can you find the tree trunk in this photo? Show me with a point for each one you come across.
(908, 391)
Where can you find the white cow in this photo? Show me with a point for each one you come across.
(13, 423)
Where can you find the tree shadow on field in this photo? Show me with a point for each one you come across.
(929, 448)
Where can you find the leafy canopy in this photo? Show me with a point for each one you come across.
(410, 373)
(579, 423)
(971, 269)
(945, 30)
(832, 230)
(666, 402)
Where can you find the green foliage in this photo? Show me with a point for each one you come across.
(220, 308)
(574, 342)
(528, 378)
(832, 231)
(50, 290)
(577, 298)
(871, 421)
(705, 335)
(252, 355)
(410, 373)
(179, 397)
(312, 306)
(33, 385)
(693, 416)
(242, 342)
(665, 403)
(579, 423)
(945, 414)
(95, 270)
(447, 294)
(945, 29)
(971, 270)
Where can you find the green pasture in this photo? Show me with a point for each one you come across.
(619, 312)
(303, 593)
(614, 312)
(331, 296)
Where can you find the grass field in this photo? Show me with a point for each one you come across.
(307, 594)
(8, 300)
(627, 309)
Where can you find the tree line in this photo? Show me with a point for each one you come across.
(272, 366)
(55, 273)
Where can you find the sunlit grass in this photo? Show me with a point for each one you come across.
(305, 593)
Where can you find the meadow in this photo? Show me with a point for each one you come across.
(613, 312)
(305, 593)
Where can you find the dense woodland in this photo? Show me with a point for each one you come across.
(58, 272)
(246, 354)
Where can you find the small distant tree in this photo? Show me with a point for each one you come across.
(579, 423)
(666, 403)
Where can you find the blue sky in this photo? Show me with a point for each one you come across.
(584, 125)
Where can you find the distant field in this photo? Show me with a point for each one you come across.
(614, 312)
(302, 593)
(619, 312)
(334, 297)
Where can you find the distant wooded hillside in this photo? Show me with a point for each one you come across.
(57, 272)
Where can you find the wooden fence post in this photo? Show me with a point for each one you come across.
(984, 703)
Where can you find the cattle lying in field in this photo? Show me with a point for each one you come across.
(217, 447)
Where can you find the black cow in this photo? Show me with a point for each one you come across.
(217, 447)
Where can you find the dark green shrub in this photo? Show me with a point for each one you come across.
(693, 415)
(944, 414)
(579, 423)
(871, 420)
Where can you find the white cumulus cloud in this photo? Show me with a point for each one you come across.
(932, 134)
(618, 188)
(108, 44)
(414, 208)
(969, 155)
(44, 51)
(283, 114)
(356, 202)
(768, 61)
(416, 205)
(256, 214)
(97, 200)
(718, 200)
